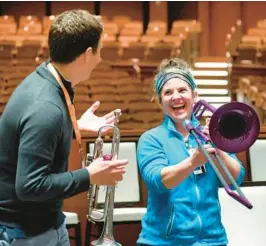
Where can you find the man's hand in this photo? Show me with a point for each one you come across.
(106, 172)
(90, 122)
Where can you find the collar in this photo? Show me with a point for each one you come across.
(170, 125)
(66, 83)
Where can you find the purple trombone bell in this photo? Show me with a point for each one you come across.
(233, 128)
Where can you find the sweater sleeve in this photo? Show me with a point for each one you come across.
(241, 174)
(151, 160)
(41, 129)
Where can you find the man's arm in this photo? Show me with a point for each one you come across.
(41, 130)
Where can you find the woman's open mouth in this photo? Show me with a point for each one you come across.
(178, 107)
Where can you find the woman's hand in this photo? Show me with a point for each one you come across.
(198, 158)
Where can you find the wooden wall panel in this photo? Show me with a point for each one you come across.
(216, 18)
(158, 11)
(179, 10)
(131, 8)
(204, 18)
(223, 15)
(252, 12)
(58, 7)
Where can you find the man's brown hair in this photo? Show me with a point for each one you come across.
(71, 33)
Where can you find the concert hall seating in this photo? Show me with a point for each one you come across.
(248, 56)
(111, 51)
(28, 52)
(130, 33)
(134, 51)
(252, 90)
(46, 23)
(248, 48)
(160, 51)
(25, 40)
(233, 38)
(262, 52)
(121, 20)
(7, 48)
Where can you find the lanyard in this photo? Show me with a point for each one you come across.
(71, 110)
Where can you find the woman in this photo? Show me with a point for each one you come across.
(183, 207)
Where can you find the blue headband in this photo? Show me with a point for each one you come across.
(171, 73)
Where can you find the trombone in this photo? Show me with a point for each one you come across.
(233, 127)
(107, 236)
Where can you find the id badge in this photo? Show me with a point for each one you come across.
(198, 170)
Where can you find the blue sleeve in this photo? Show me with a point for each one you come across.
(241, 174)
(151, 160)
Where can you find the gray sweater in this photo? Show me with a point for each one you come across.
(35, 139)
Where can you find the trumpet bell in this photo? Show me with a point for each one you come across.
(234, 127)
(105, 242)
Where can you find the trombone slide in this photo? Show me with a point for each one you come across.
(238, 195)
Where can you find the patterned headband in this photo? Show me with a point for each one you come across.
(171, 73)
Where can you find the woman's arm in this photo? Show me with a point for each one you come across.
(154, 168)
(174, 175)
(233, 165)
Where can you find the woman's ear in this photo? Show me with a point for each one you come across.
(195, 95)
(157, 100)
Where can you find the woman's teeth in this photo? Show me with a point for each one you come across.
(181, 106)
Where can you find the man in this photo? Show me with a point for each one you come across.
(36, 131)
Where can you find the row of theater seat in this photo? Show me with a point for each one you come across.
(25, 25)
(120, 25)
(115, 89)
(121, 40)
(248, 48)
(252, 90)
(30, 52)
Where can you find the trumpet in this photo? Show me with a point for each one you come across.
(233, 127)
(106, 238)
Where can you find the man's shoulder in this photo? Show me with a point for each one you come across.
(34, 95)
(35, 87)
